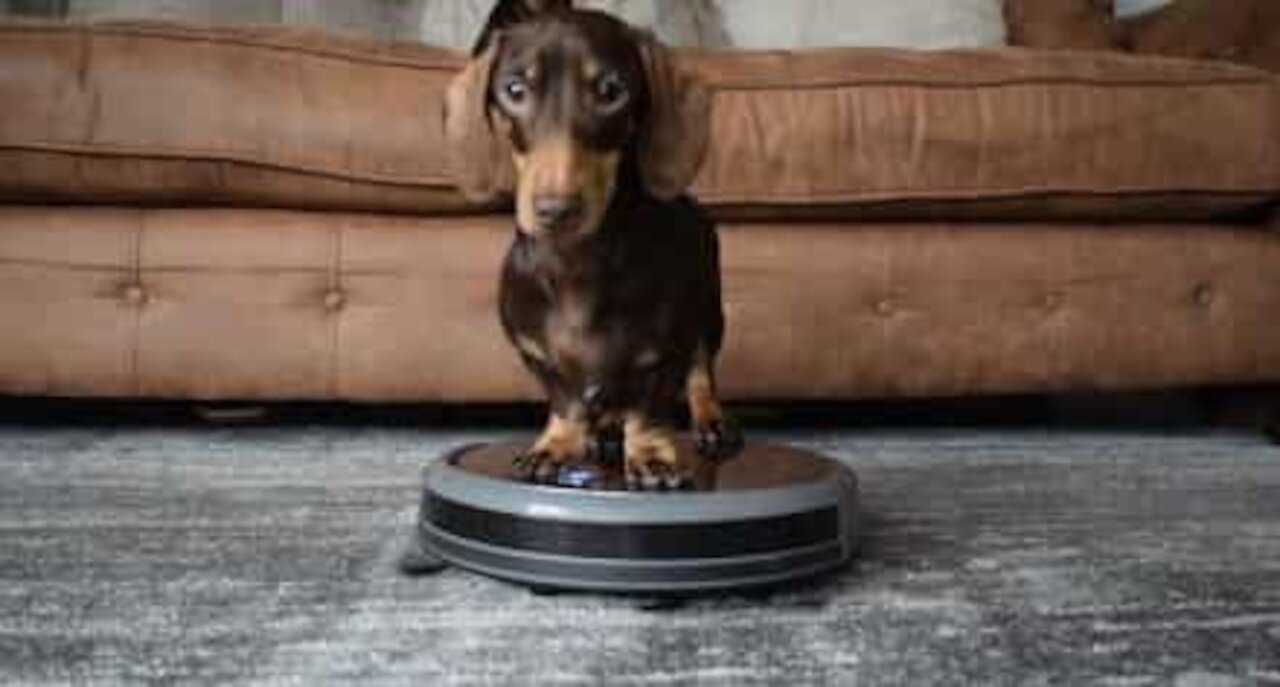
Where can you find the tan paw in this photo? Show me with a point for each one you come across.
(652, 461)
(562, 443)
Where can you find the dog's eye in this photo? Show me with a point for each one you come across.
(515, 90)
(611, 91)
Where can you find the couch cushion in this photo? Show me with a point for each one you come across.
(170, 115)
(276, 117)
(116, 302)
(930, 24)
(1001, 132)
(1062, 24)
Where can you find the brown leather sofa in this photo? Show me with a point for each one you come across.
(264, 214)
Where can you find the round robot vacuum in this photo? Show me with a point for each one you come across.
(770, 515)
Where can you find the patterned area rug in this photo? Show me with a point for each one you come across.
(267, 556)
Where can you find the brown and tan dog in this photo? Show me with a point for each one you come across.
(611, 288)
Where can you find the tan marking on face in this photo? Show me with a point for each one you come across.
(561, 167)
(591, 70)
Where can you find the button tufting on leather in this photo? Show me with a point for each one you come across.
(134, 294)
(885, 307)
(1203, 295)
(334, 300)
(1052, 301)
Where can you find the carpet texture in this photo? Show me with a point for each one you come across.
(267, 556)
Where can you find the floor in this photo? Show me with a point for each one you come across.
(267, 555)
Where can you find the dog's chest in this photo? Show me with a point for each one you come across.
(574, 334)
(586, 326)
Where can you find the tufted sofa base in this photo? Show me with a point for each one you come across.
(243, 304)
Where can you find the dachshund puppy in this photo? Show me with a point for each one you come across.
(610, 291)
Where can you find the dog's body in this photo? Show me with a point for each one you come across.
(617, 323)
(611, 289)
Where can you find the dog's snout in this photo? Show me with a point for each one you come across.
(556, 211)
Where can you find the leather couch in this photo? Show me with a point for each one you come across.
(194, 213)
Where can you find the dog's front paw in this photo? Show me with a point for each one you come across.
(718, 439)
(658, 475)
(654, 464)
(562, 444)
(540, 465)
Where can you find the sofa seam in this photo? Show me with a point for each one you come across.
(136, 361)
(993, 84)
(335, 286)
(190, 155)
(442, 185)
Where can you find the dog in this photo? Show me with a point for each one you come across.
(610, 291)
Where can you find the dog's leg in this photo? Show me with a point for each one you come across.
(565, 441)
(717, 435)
(652, 460)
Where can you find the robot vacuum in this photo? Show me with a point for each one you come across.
(770, 515)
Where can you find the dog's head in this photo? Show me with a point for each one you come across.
(562, 106)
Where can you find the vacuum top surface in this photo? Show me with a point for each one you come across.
(760, 466)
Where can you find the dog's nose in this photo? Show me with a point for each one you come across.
(558, 211)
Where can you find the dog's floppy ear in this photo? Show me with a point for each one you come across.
(479, 154)
(676, 132)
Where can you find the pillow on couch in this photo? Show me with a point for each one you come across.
(770, 24)
(764, 24)
(687, 23)
(923, 24)
(1246, 31)
(767, 24)
(1132, 8)
(684, 23)
(442, 23)
(1062, 24)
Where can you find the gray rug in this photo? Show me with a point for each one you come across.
(267, 556)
